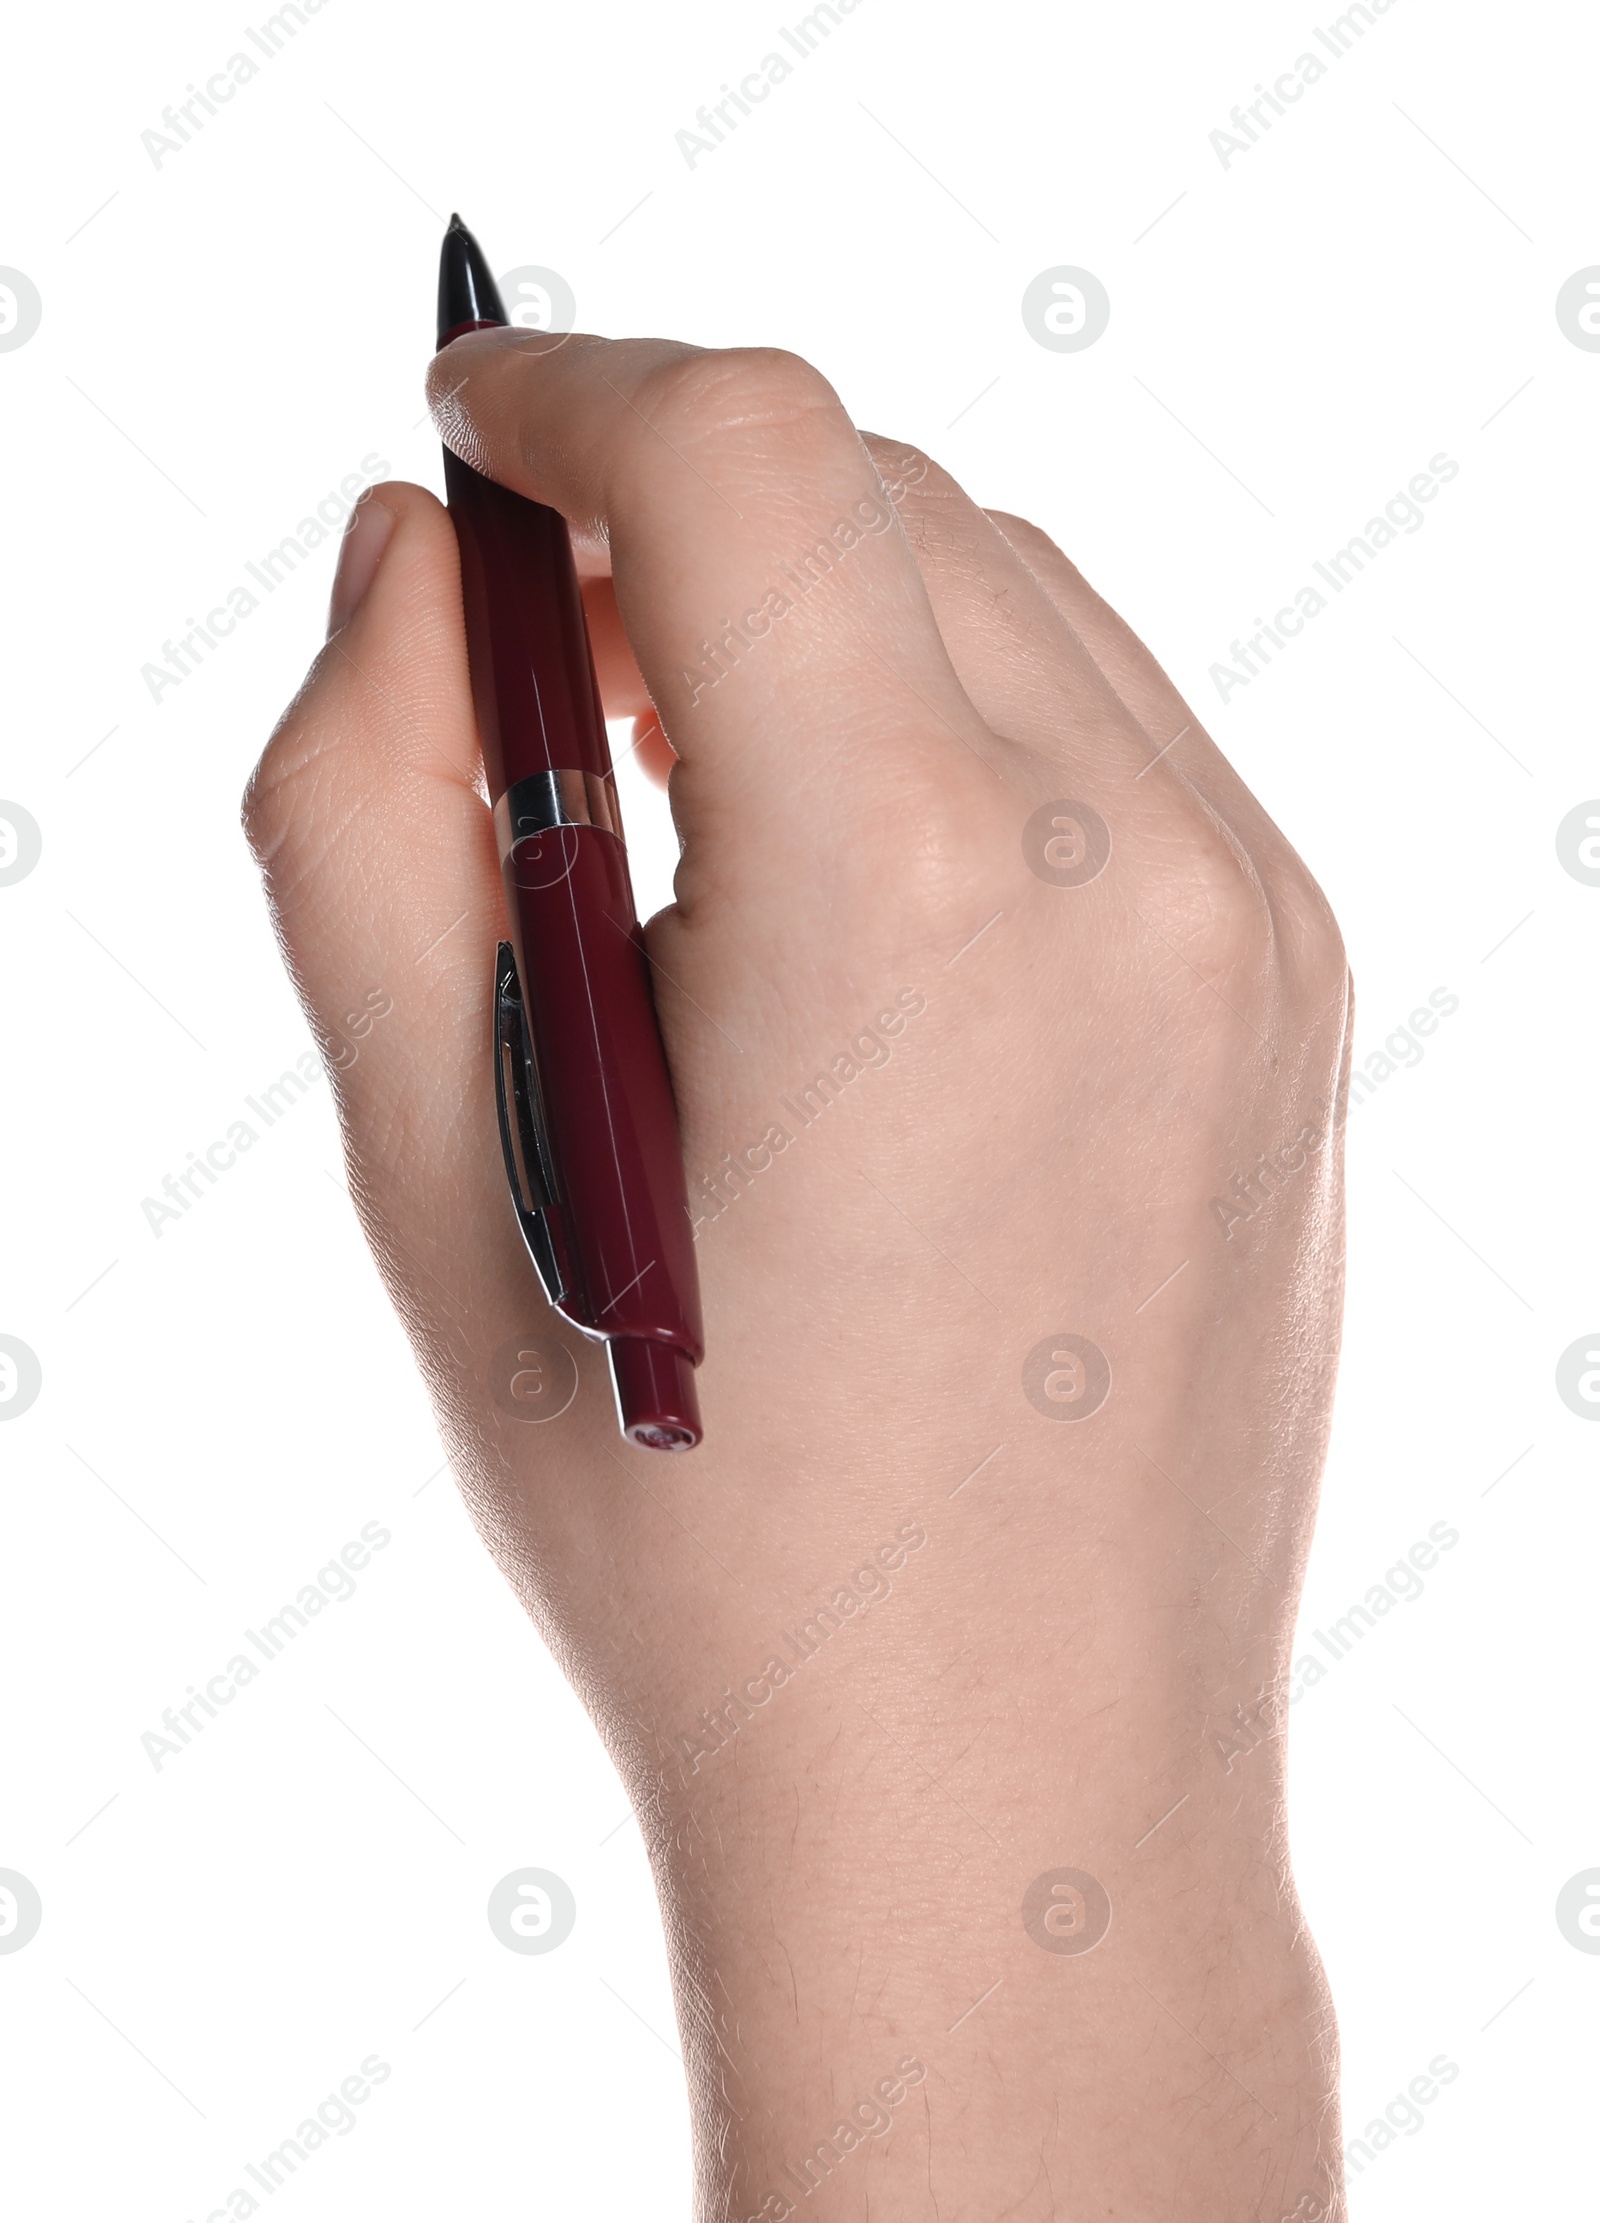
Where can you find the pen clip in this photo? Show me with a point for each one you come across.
(529, 1168)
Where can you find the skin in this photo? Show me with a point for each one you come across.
(1049, 1678)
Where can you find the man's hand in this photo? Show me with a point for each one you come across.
(1007, 1034)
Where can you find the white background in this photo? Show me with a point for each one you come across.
(1292, 337)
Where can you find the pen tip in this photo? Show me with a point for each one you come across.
(467, 291)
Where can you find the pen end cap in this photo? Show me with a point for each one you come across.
(656, 1401)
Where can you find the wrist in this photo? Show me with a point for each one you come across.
(889, 1984)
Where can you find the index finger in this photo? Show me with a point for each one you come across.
(766, 586)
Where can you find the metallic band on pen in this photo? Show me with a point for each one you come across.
(550, 799)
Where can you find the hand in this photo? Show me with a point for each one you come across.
(1018, 1166)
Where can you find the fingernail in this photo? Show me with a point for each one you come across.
(365, 538)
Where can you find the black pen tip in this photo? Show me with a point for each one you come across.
(467, 291)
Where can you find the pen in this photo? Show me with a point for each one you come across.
(587, 1121)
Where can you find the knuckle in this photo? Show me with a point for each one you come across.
(905, 468)
(266, 809)
(1031, 541)
(935, 511)
(279, 797)
(1232, 914)
(728, 391)
(935, 855)
(1308, 932)
(1212, 903)
(945, 829)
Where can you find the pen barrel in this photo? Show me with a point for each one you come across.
(533, 682)
(609, 1116)
(620, 1206)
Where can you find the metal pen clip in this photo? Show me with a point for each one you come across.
(529, 1168)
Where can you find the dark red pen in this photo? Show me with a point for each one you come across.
(587, 1120)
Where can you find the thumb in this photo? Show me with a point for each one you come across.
(367, 817)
